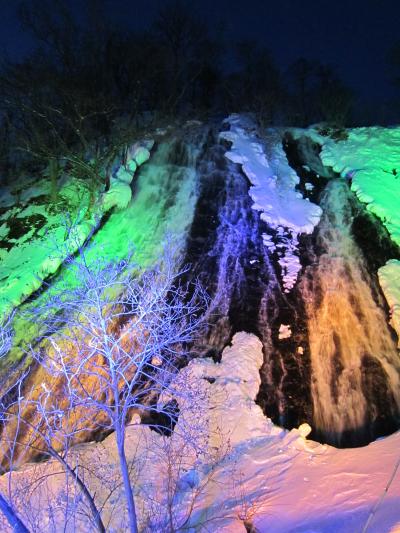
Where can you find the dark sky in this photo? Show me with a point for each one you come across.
(351, 35)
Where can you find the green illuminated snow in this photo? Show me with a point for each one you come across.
(162, 206)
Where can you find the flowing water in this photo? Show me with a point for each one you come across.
(227, 253)
(355, 380)
(339, 370)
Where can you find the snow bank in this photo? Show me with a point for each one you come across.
(371, 158)
(389, 280)
(248, 471)
(273, 188)
(120, 193)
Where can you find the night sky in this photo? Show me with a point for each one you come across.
(351, 35)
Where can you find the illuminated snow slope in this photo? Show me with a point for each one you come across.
(282, 481)
(46, 239)
(158, 209)
(250, 470)
(371, 158)
(273, 189)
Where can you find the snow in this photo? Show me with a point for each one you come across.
(389, 280)
(273, 188)
(120, 193)
(284, 331)
(249, 469)
(29, 259)
(371, 158)
(45, 241)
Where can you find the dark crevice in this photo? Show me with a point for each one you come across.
(374, 239)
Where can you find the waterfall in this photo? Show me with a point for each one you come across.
(227, 253)
(339, 368)
(355, 366)
(163, 204)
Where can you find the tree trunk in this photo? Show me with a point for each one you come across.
(89, 498)
(12, 517)
(53, 174)
(119, 434)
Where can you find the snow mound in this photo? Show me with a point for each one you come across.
(389, 280)
(250, 471)
(120, 193)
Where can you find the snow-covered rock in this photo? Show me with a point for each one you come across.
(284, 331)
(389, 280)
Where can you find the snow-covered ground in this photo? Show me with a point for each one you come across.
(279, 480)
(248, 470)
(273, 190)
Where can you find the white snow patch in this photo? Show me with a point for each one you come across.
(120, 193)
(284, 331)
(267, 241)
(273, 187)
(389, 280)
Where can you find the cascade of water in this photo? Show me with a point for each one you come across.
(163, 203)
(228, 254)
(226, 251)
(355, 365)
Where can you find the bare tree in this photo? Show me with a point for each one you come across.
(67, 99)
(115, 344)
(256, 86)
(302, 77)
(5, 506)
(190, 54)
(13, 519)
(33, 428)
(333, 98)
